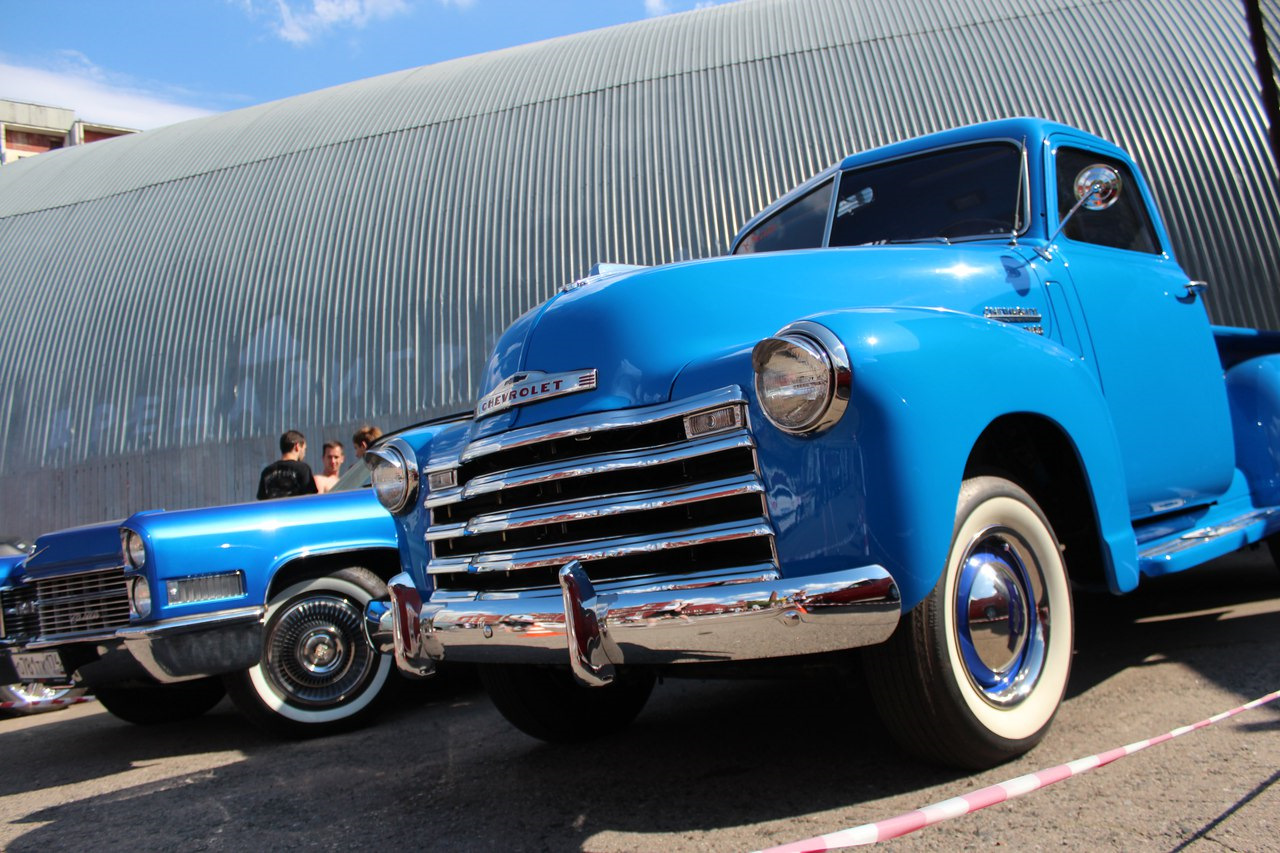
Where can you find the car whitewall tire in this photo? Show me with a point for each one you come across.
(318, 672)
(975, 673)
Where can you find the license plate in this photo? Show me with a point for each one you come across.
(37, 666)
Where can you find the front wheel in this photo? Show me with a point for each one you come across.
(318, 673)
(974, 675)
(154, 704)
(547, 703)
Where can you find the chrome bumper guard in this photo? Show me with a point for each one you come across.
(742, 618)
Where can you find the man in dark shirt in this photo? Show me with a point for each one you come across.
(289, 475)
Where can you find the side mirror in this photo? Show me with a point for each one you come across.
(1097, 188)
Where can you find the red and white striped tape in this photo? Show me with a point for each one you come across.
(44, 703)
(896, 827)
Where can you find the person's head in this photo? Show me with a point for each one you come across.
(333, 458)
(293, 445)
(364, 437)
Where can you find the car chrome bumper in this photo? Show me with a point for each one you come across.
(737, 618)
(172, 650)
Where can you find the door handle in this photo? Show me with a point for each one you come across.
(1196, 287)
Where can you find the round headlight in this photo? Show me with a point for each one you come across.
(394, 478)
(802, 378)
(134, 552)
(140, 597)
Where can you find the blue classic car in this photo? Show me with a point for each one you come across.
(27, 697)
(928, 390)
(166, 612)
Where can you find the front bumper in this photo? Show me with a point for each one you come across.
(172, 650)
(735, 618)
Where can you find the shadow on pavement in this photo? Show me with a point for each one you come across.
(447, 772)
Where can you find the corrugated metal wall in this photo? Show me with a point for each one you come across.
(170, 302)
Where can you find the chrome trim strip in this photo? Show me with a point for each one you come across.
(758, 573)
(606, 463)
(514, 561)
(597, 507)
(600, 421)
(165, 627)
(1192, 538)
(745, 621)
(193, 623)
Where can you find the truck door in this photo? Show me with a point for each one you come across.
(1156, 356)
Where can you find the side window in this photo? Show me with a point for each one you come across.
(1124, 225)
(800, 225)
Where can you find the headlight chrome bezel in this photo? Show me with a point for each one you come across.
(394, 475)
(140, 600)
(133, 548)
(817, 343)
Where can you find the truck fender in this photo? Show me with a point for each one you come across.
(1253, 393)
(926, 384)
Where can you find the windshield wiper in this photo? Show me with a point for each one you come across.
(903, 241)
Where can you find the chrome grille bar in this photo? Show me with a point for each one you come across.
(582, 510)
(601, 422)
(592, 465)
(586, 552)
(90, 601)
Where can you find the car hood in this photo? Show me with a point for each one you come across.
(83, 549)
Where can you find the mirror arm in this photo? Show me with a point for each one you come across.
(1093, 190)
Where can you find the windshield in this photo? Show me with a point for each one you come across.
(969, 191)
(355, 477)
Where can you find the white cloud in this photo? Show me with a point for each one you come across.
(92, 93)
(299, 23)
(653, 8)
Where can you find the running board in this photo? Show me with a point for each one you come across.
(1185, 550)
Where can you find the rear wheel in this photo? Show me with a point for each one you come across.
(974, 674)
(318, 673)
(547, 703)
(153, 704)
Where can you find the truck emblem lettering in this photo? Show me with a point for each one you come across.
(534, 386)
(1028, 318)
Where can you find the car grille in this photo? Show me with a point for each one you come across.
(629, 494)
(68, 604)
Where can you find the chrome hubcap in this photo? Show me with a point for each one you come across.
(1001, 616)
(316, 655)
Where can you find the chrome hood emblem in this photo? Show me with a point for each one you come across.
(531, 386)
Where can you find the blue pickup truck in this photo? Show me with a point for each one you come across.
(926, 393)
(164, 613)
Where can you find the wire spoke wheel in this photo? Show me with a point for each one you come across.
(317, 652)
(318, 673)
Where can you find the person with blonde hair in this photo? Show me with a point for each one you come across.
(364, 437)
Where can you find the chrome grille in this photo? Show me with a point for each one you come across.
(90, 601)
(18, 613)
(628, 494)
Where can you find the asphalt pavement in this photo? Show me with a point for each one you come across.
(708, 766)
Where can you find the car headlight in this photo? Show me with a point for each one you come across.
(394, 475)
(135, 553)
(802, 378)
(140, 597)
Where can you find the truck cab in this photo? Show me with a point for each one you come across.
(924, 394)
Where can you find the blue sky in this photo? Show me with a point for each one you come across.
(147, 63)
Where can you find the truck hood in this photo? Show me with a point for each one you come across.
(639, 330)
